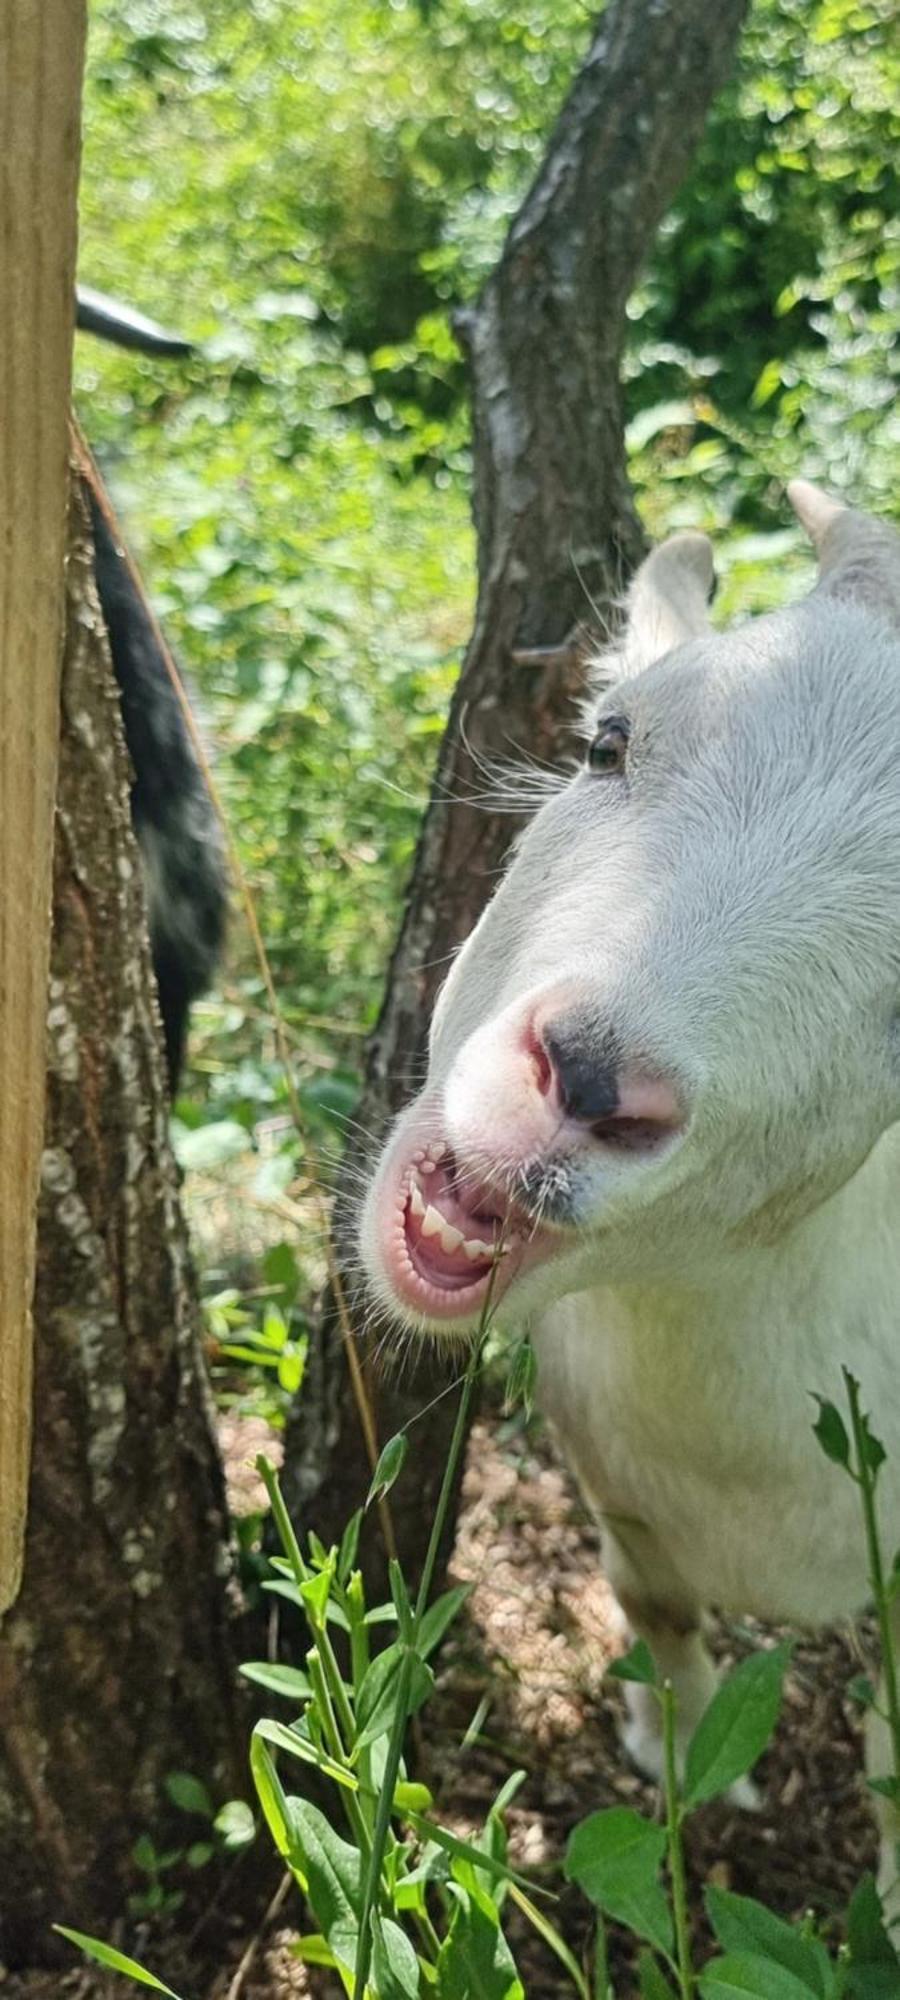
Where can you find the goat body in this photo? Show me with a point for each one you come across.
(664, 1092)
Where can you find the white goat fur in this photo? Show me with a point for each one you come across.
(734, 910)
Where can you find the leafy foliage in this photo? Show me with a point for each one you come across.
(406, 1907)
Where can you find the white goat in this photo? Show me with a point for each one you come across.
(666, 1066)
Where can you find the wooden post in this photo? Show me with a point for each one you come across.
(41, 60)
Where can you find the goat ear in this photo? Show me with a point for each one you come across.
(859, 558)
(667, 601)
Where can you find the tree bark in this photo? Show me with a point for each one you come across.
(115, 1665)
(557, 538)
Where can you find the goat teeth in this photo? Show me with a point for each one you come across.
(415, 1198)
(475, 1249)
(432, 1222)
(451, 1238)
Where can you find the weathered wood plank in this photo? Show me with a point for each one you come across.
(41, 60)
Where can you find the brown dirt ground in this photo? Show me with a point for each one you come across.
(534, 1638)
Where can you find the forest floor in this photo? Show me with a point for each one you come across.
(534, 1638)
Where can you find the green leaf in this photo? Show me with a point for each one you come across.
(475, 1961)
(464, 1850)
(349, 1546)
(313, 1949)
(199, 1853)
(259, 1356)
(210, 1145)
(662, 417)
(235, 1824)
(288, 1681)
(767, 385)
(743, 1926)
(116, 1961)
(432, 1867)
(887, 1788)
(652, 1983)
(892, 1581)
(378, 1695)
(280, 1267)
(736, 1726)
(440, 1616)
(831, 1432)
(394, 1962)
(638, 1665)
(333, 1870)
(189, 1794)
(291, 1366)
(389, 1467)
(521, 1379)
(301, 1746)
(270, 1794)
(410, 1797)
(873, 1449)
(737, 1976)
(552, 1938)
(875, 1965)
(274, 1327)
(401, 1601)
(615, 1857)
(314, 1593)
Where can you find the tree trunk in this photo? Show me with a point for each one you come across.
(115, 1666)
(557, 539)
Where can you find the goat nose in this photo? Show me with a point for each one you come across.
(587, 1082)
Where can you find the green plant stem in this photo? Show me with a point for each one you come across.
(456, 1444)
(359, 1637)
(428, 1932)
(335, 1680)
(350, 1801)
(382, 1822)
(601, 1985)
(865, 1479)
(282, 1521)
(675, 1846)
(359, 1660)
(398, 1730)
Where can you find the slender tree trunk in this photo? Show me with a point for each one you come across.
(115, 1666)
(557, 539)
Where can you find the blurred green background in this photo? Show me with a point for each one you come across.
(308, 191)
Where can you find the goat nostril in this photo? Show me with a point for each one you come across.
(543, 1067)
(585, 1079)
(648, 1113)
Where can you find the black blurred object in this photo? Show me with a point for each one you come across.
(95, 313)
(174, 819)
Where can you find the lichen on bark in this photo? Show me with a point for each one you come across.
(115, 1662)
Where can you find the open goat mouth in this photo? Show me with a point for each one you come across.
(446, 1234)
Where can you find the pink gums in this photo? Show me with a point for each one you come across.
(425, 1208)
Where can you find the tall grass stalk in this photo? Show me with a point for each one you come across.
(865, 1473)
(398, 1729)
(675, 1849)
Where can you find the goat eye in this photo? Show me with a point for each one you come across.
(608, 751)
